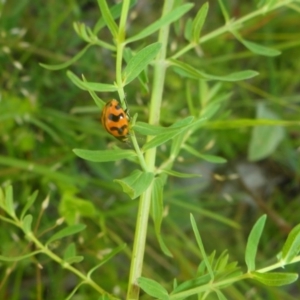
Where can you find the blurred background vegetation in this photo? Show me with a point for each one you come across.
(43, 116)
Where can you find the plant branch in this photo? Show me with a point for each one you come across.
(145, 199)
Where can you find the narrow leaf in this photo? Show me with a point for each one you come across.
(165, 20)
(192, 283)
(18, 258)
(181, 175)
(275, 279)
(115, 12)
(74, 259)
(153, 288)
(70, 296)
(71, 207)
(104, 155)
(148, 129)
(259, 49)
(9, 201)
(91, 86)
(167, 135)
(108, 18)
(67, 63)
(187, 70)
(135, 184)
(206, 157)
(160, 139)
(188, 29)
(291, 246)
(198, 22)
(201, 247)
(264, 139)
(220, 295)
(139, 62)
(106, 258)
(70, 230)
(70, 251)
(28, 204)
(2, 200)
(27, 221)
(253, 241)
(224, 10)
(156, 211)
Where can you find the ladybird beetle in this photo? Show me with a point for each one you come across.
(115, 120)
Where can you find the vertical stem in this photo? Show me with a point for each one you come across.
(145, 199)
(120, 47)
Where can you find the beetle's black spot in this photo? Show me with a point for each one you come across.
(117, 107)
(116, 118)
(120, 130)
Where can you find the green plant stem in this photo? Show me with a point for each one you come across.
(66, 265)
(120, 48)
(145, 199)
(230, 26)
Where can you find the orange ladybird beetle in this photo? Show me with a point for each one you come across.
(115, 120)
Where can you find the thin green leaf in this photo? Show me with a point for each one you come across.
(148, 129)
(156, 211)
(71, 207)
(91, 86)
(28, 204)
(190, 72)
(70, 251)
(165, 20)
(18, 258)
(179, 174)
(160, 139)
(177, 143)
(70, 296)
(199, 22)
(179, 126)
(192, 283)
(67, 63)
(264, 139)
(236, 76)
(106, 258)
(9, 201)
(291, 246)
(220, 295)
(206, 157)
(115, 12)
(99, 102)
(43, 126)
(153, 288)
(70, 230)
(136, 183)
(188, 30)
(275, 279)
(108, 18)
(70, 256)
(248, 123)
(201, 247)
(253, 241)
(74, 260)
(224, 10)
(2, 200)
(104, 155)
(139, 62)
(27, 221)
(259, 49)
(205, 213)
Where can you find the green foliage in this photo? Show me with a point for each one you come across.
(252, 243)
(208, 86)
